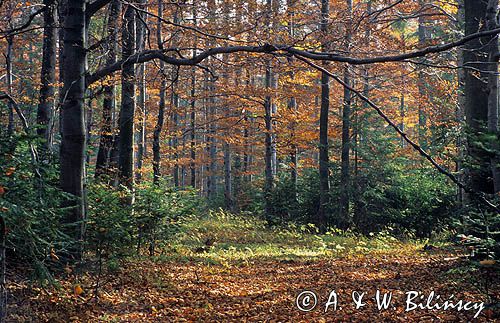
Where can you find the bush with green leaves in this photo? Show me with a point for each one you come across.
(30, 203)
(158, 210)
(110, 228)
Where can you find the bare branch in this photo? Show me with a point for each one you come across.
(415, 146)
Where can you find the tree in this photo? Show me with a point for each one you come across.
(127, 109)
(324, 161)
(345, 187)
(72, 153)
(476, 95)
(48, 74)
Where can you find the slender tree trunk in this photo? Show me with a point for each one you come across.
(493, 56)
(175, 109)
(192, 124)
(358, 217)
(175, 139)
(269, 174)
(47, 77)
(270, 149)
(460, 114)
(72, 155)
(324, 161)
(193, 128)
(141, 102)
(292, 106)
(345, 186)
(109, 102)
(8, 83)
(161, 105)
(422, 119)
(127, 109)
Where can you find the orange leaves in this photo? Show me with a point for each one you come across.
(78, 290)
(9, 171)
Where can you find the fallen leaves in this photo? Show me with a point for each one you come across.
(259, 290)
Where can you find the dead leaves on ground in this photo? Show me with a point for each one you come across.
(258, 291)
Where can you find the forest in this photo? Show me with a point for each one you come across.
(249, 161)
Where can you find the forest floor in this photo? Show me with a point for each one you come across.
(256, 275)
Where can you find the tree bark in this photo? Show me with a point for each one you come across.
(8, 83)
(324, 161)
(493, 56)
(127, 109)
(141, 102)
(476, 95)
(73, 141)
(109, 102)
(45, 109)
(161, 104)
(422, 118)
(345, 186)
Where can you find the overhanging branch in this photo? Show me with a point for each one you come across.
(441, 169)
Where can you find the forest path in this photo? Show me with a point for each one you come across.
(260, 290)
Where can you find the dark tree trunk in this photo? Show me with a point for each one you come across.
(345, 178)
(127, 109)
(72, 154)
(344, 220)
(270, 149)
(108, 107)
(161, 104)
(493, 56)
(422, 118)
(324, 161)
(476, 95)
(141, 104)
(8, 83)
(175, 125)
(269, 175)
(48, 77)
(192, 125)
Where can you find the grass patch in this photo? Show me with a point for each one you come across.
(221, 237)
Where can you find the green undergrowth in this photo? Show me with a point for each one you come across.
(220, 237)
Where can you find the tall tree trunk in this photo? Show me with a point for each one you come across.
(175, 125)
(358, 216)
(161, 104)
(292, 105)
(460, 110)
(72, 154)
(493, 56)
(270, 149)
(127, 109)
(422, 119)
(192, 125)
(8, 83)
(476, 95)
(192, 115)
(269, 174)
(324, 161)
(47, 77)
(211, 113)
(345, 186)
(141, 102)
(175, 108)
(109, 102)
